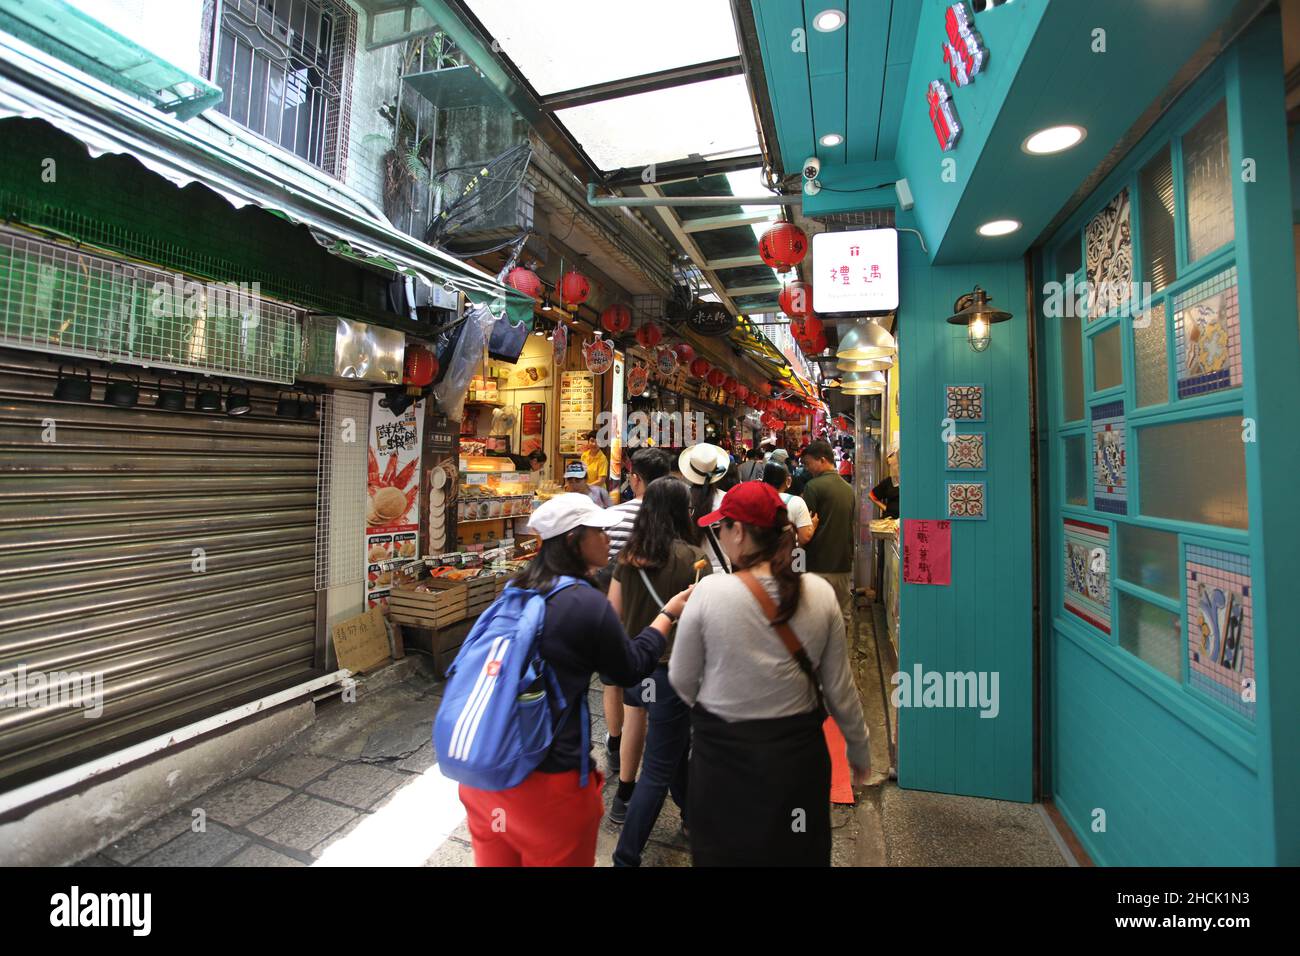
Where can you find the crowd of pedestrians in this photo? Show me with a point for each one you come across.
(721, 637)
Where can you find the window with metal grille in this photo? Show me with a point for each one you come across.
(285, 67)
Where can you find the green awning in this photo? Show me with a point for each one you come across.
(36, 85)
(82, 41)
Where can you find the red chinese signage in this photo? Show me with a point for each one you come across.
(927, 552)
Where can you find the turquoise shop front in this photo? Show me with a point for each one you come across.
(1127, 576)
(1168, 519)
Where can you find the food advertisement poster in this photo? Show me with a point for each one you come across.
(392, 494)
(577, 409)
(532, 427)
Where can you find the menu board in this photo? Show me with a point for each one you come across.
(577, 408)
(393, 491)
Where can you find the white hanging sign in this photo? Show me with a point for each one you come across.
(855, 271)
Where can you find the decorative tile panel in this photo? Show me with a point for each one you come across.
(1220, 632)
(1109, 243)
(965, 403)
(1207, 336)
(966, 499)
(966, 452)
(1109, 458)
(1087, 572)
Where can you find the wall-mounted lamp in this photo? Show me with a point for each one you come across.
(973, 311)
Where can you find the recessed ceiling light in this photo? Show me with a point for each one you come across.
(828, 21)
(1054, 139)
(832, 139)
(998, 227)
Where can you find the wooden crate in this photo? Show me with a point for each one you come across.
(437, 608)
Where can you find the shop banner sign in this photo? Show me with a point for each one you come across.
(710, 319)
(855, 271)
(927, 552)
(392, 493)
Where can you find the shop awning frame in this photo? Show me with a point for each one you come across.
(36, 85)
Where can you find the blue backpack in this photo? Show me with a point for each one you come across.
(494, 725)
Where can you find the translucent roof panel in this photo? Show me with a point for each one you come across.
(568, 44)
(713, 119)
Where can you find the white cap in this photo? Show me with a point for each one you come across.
(568, 511)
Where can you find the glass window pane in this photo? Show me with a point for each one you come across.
(1156, 209)
(1151, 634)
(1076, 470)
(1194, 471)
(1208, 183)
(713, 119)
(1150, 357)
(567, 44)
(238, 91)
(1149, 558)
(1072, 368)
(1107, 366)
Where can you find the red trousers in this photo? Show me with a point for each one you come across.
(548, 820)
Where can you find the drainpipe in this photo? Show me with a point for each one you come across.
(635, 201)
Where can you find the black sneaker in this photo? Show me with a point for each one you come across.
(618, 811)
(611, 757)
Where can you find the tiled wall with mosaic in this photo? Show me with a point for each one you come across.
(965, 452)
(1220, 641)
(1136, 569)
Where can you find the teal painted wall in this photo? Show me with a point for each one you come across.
(983, 620)
(1181, 780)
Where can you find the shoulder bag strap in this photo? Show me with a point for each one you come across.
(645, 579)
(717, 549)
(786, 633)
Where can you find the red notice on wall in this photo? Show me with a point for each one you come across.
(927, 552)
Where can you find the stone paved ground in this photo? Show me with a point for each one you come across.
(347, 770)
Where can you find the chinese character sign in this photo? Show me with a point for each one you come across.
(857, 271)
(927, 552)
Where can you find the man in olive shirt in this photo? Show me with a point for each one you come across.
(831, 503)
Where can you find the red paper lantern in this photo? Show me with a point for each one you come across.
(819, 343)
(574, 289)
(730, 385)
(716, 377)
(685, 354)
(783, 246)
(649, 335)
(420, 367)
(700, 367)
(742, 393)
(812, 326)
(616, 318)
(796, 299)
(525, 281)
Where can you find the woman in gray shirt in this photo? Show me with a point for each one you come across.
(759, 792)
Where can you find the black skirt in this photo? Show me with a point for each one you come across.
(759, 792)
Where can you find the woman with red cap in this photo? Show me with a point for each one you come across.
(760, 657)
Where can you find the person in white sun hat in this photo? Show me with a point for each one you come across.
(704, 466)
(553, 818)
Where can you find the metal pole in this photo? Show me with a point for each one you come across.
(635, 201)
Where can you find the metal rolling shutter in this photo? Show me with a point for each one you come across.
(97, 538)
